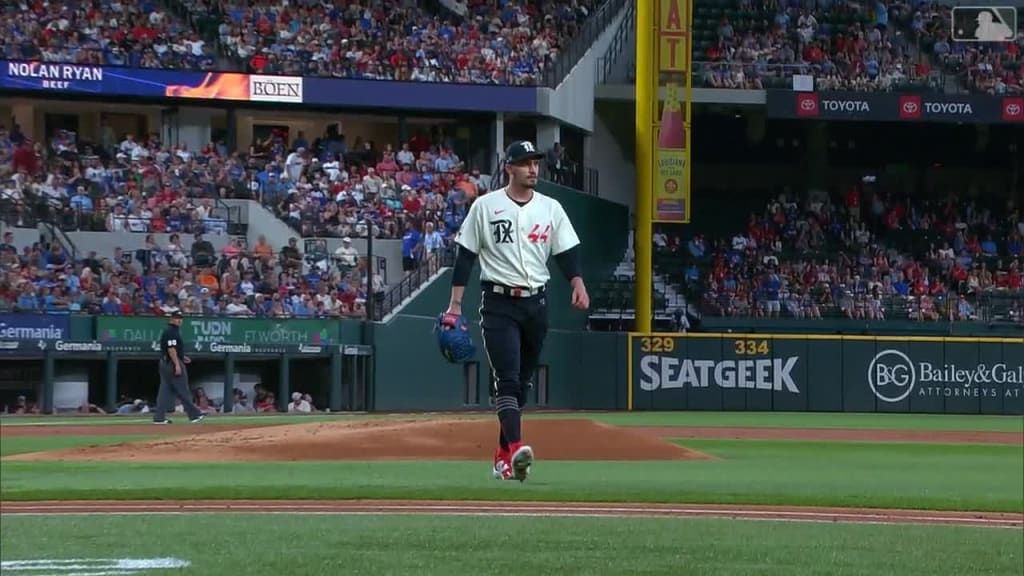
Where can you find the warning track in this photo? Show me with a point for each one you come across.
(492, 509)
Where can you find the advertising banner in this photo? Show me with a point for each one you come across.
(671, 170)
(896, 107)
(145, 82)
(421, 95)
(205, 332)
(740, 372)
(34, 327)
(96, 350)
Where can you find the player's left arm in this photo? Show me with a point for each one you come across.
(565, 247)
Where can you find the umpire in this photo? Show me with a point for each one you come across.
(174, 374)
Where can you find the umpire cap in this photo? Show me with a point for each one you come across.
(522, 150)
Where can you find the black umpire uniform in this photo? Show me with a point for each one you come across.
(172, 384)
(513, 241)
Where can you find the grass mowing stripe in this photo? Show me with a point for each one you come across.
(984, 478)
(457, 546)
(11, 445)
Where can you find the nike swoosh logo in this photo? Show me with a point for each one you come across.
(496, 212)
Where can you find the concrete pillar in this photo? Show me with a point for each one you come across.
(24, 116)
(548, 132)
(497, 141)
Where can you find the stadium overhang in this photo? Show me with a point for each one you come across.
(700, 95)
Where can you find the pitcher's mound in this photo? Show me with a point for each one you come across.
(451, 439)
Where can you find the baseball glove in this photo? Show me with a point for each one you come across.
(453, 338)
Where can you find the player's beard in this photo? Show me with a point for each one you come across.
(527, 181)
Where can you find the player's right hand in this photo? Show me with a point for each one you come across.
(451, 318)
(177, 369)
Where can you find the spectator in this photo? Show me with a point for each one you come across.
(346, 254)
(299, 404)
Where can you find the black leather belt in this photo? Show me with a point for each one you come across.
(512, 291)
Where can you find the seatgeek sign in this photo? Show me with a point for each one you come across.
(41, 77)
(895, 107)
(825, 373)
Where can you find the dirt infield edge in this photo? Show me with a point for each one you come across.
(708, 432)
(478, 508)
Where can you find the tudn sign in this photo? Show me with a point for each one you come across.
(275, 89)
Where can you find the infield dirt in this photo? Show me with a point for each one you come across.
(395, 439)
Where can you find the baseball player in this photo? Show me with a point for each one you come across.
(173, 374)
(992, 31)
(513, 231)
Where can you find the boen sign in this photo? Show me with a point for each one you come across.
(822, 373)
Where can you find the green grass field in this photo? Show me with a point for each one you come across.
(940, 477)
(848, 474)
(257, 545)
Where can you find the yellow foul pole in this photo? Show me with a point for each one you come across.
(645, 102)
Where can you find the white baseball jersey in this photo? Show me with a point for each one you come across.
(514, 242)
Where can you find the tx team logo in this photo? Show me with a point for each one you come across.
(891, 376)
(502, 231)
(807, 104)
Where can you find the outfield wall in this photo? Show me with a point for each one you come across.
(400, 368)
(824, 373)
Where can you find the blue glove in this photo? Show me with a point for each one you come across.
(453, 338)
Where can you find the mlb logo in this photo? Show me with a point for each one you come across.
(1013, 109)
(807, 104)
(910, 107)
(984, 23)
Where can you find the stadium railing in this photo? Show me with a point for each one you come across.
(780, 76)
(571, 55)
(395, 295)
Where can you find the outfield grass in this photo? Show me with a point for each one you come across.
(942, 477)
(975, 423)
(23, 444)
(264, 545)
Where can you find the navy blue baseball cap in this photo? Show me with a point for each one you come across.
(522, 150)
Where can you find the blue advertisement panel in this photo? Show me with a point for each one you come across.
(34, 327)
(232, 86)
(421, 95)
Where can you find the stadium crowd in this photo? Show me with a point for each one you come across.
(988, 67)
(329, 189)
(418, 192)
(492, 43)
(140, 34)
(863, 255)
(161, 279)
(859, 46)
(745, 44)
(495, 43)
